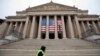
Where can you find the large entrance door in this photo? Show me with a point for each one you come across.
(43, 36)
(60, 35)
(51, 36)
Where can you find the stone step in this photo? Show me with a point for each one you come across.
(50, 41)
(81, 52)
(23, 51)
(51, 44)
(51, 47)
(70, 47)
(50, 55)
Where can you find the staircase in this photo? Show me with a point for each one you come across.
(61, 47)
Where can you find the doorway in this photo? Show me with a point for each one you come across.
(51, 35)
(60, 35)
(43, 35)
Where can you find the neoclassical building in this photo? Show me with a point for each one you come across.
(52, 21)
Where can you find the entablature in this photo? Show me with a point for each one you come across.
(15, 20)
(16, 17)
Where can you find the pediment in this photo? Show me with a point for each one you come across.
(50, 7)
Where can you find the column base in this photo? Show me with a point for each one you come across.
(47, 38)
(31, 38)
(38, 38)
(64, 38)
(73, 38)
(56, 38)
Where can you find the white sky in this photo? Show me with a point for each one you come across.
(9, 7)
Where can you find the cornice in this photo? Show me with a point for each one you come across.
(16, 17)
(88, 16)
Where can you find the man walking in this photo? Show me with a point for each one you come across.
(41, 52)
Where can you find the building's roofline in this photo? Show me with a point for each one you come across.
(15, 17)
(37, 8)
(88, 16)
(53, 3)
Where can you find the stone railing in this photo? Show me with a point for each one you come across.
(12, 37)
(90, 33)
(17, 34)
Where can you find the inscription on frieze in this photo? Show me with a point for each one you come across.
(50, 7)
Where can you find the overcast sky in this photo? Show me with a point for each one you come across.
(9, 7)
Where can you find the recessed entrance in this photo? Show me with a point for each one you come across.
(60, 35)
(43, 36)
(51, 35)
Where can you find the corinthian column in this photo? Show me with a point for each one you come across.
(71, 31)
(95, 27)
(25, 27)
(47, 27)
(78, 27)
(56, 31)
(32, 31)
(99, 23)
(39, 29)
(9, 28)
(84, 33)
(63, 27)
(20, 27)
(84, 29)
(99, 26)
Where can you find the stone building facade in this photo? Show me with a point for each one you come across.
(73, 22)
